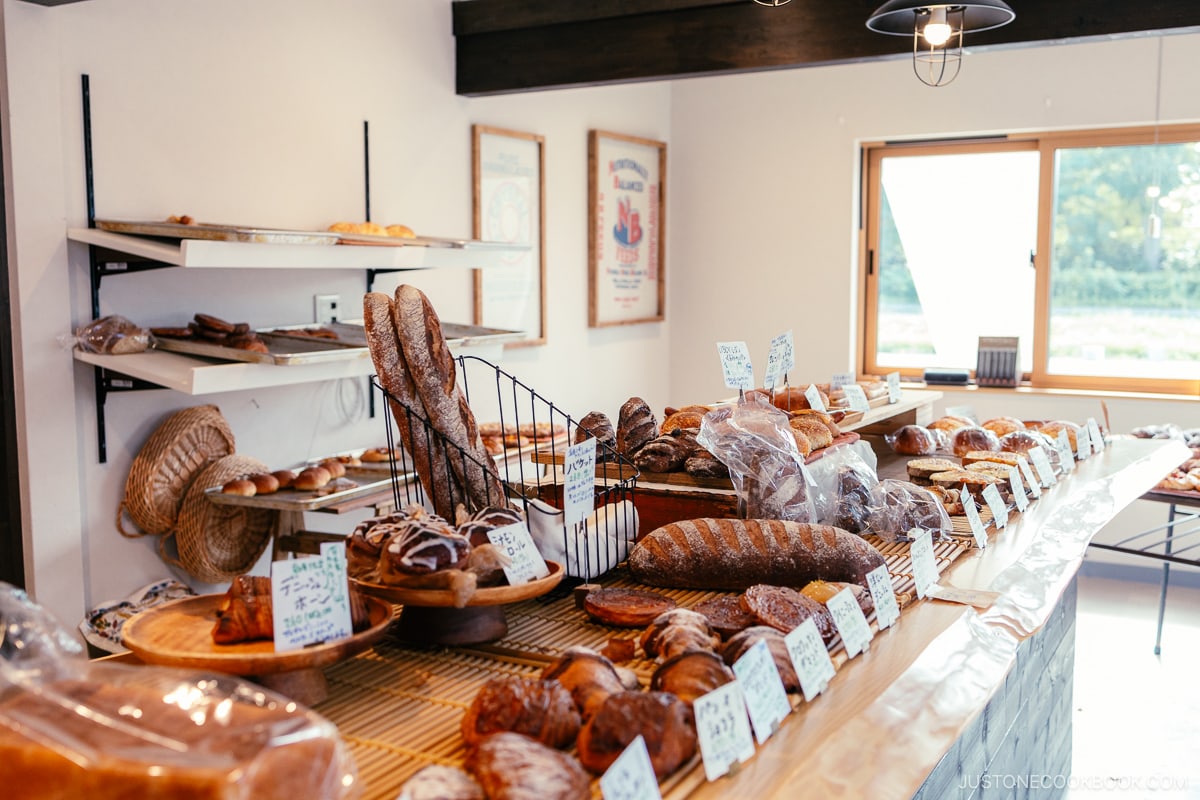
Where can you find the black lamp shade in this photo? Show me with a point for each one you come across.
(898, 17)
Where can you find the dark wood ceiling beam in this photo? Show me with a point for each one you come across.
(506, 46)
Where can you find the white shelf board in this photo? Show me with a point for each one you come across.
(202, 253)
(197, 376)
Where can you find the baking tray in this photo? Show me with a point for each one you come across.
(281, 350)
(352, 334)
(348, 487)
(217, 233)
(427, 241)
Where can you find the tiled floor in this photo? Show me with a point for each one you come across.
(1137, 715)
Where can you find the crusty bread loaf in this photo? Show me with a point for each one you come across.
(635, 426)
(737, 553)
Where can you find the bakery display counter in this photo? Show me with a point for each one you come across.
(949, 693)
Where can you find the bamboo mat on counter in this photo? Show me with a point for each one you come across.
(400, 706)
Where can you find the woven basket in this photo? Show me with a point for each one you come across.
(217, 542)
(166, 466)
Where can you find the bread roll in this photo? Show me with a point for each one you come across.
(311, 479)
(691, 674)
(597, 424)
(734, 554)
(666, 453)
(590, 678)
(438, 782)
(792, 398)
(966, 439)
(1003, 425)
(950, 423)
(264, 483)
(635, 426)
(240, 486)
(913, 440)
(540, 709)
(400, 232)
(663, 720)
(515, 767)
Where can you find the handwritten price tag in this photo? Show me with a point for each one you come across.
(1095, 436)
(723, 729)
(856, 398)
(579, 481)
(811, 660)
(1065, 453)
(1035, 486)
(1083, 441)
(887, 610)
(1045, 470)
(766, 699)
(850, 622)
(781, 359)
(527, 563)
(735, 364)
(1018, 489)
(893, 384)
(631, 776)
(924, 564)
(978, 529)
(310, 599)
(815, 401)
(991, 496)
(841, 379)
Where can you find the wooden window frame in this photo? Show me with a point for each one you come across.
(1046, 144)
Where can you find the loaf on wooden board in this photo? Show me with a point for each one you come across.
(737, 553)
(431, 365)
(428, 453)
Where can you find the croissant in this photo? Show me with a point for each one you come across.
(246, 613)
(590, 677)
(540, 709)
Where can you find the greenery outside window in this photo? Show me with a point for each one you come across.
(1084, 245)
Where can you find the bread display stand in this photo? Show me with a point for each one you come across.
(179, 634)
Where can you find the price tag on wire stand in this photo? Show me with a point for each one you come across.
(766, 699)
(579, 481)
(893, 384)
(810, 659)
(735, 365)
(841, 379)
(631, 776)
(723, 729)
(991, 496)
(924, 564)
(856, 398)
(1041, 463)
(813, 395)
(310, 599)
(1083, 441)
(1018, 489)
(527, 563)
(850, 622)
(887, 610)
(1065, 453)
(1035, 485)
(978, 529)
(781, 359)
(1095, 436)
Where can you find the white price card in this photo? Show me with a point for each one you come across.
(978, 529)
(924, 565)
(991, 496)
(631, 776)
(1041, 463)
(893, 384)
(1035, 486)
(579, 481)
(723, 729)
(766, 699)
(1018, 489)
(527, 563)
(1083, 441)
(813, 395)
(1094, 435)
(850, 623)
(887, 610)
(781, 359)
(1065, 453)
(735, 365)
(811, 660)
(841, 379)
(310, 599)
(856, 398)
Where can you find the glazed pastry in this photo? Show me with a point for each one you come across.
(540, 709)
(588, 676)
(691, 674)
(676, 631)
(438, 782)
(725, 614)
(663, 720)
(783, 609)
(626, 608)
(515, 767)
(737, 646)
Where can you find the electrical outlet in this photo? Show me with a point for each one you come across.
(326, 308)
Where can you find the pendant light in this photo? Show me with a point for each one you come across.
(1154, 190)
(937, 31)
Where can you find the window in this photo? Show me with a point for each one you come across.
(1084, 246)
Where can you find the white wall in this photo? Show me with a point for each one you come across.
(252, 113)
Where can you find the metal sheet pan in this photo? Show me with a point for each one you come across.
(281, 350)
(353, 335)
(219, 233)
(427, 241)
(348, 487)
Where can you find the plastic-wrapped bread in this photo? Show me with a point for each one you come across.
(733, 554)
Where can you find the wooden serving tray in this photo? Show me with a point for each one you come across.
(443, 598)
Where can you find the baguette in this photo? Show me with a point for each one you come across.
(431, 365)
(734, 554)
(428, 453)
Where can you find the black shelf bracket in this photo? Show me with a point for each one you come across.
(108, 382)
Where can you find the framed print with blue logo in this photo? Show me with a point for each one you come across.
(508, 167)
(626, 200)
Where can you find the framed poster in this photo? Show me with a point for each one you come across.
(509, 200)
(626, 200)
